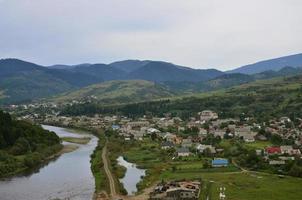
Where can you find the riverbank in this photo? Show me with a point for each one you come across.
(67, 175)
(28, 162)
(81, 140)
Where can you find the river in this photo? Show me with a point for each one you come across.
(67, 177)
(132, 177)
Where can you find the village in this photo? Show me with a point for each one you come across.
(280, 140)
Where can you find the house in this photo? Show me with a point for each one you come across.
(187, 143)
(285, 120)
(183, 152)
(248, 138)
(220, 162)
(152, 130)
(261, 138)
(207, 115)
(184, 190)
(272, 150)
(169, 137)
(219, 132)
(202, 147)
(287, 149)
(115, 127)
(172, 138)
(277, 162)
(258, 152)
(167, 145)
(181, 193)
(203, 131)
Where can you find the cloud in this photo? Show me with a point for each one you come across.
(200, 34)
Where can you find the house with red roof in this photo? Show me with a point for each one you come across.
(273, 150)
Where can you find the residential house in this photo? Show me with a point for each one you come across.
(202, 147)
(167, 145)
(207, 115)
(277, 162)
(183, 152)
(273, 150)
(187, 143)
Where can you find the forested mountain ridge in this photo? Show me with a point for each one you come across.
(23, 82)
(261, 99)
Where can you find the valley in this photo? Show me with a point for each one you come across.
(236, 131)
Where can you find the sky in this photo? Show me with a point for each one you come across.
(195, 33)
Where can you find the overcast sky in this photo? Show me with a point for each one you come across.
(220, 34)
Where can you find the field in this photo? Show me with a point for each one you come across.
(239, 185)
(247, 185)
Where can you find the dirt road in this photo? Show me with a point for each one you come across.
(113, 193)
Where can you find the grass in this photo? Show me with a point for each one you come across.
(247, 186)
(101, 181)
(259, 144)
(82, 140)
(239, 185)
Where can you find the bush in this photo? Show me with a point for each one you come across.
(33, 160)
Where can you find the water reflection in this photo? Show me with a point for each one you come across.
(132, 177)
(66, 177)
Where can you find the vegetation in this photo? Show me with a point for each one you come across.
(23, 145)
(262, 100)
(239, 185)
(101, 182)
(116, 92)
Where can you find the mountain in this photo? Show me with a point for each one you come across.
(261, 99)
(116, 92)
(161, 71)
(129, 65)
(101, 72)
(68, 66)
(273, 64)
(25, 81)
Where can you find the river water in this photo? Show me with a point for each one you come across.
(67, 177)
(132, 177)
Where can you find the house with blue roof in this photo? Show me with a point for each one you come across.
(220, 162)
(115, 127)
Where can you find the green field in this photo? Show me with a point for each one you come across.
(239, 185)
(245, 186)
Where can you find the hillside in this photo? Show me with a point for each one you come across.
(116, 92)
(25, 81)
(272, 64)
(261, 99)
(22, 81)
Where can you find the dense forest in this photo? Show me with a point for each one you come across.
(23, 145)
(261, 99)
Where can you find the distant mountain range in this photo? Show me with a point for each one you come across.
(273, 64)
(22, 81)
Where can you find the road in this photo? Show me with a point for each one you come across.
(113, 193)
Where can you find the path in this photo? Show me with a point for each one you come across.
(108, 172)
